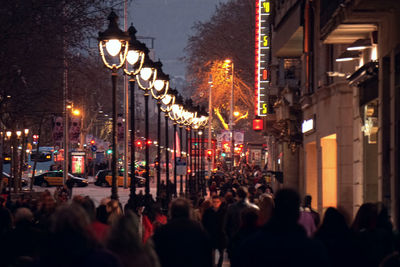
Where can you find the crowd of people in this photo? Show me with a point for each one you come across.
(240, 220)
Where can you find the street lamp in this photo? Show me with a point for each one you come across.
(159, 92)
(167, 102)
(176, 114)
(114, 42)
(135, 60)
(145, 79)
(229, 64)
(22, 156)
(9, 137)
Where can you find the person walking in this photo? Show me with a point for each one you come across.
(70, 185)
(233, 215)
(182, 242)
(213, 221)
(282, 241)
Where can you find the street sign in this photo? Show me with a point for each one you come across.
(180, 166)
(94, 148)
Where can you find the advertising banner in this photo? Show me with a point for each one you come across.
(78, 164)
(75, 130)
(58, 130)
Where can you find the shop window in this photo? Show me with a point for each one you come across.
(329, 171)
(311, 182)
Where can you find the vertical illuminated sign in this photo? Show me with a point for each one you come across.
(262, 56)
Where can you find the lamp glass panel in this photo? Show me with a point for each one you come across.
(145, 73)
(167, 99)
(159, 85)
(113, 47)
(132, 57)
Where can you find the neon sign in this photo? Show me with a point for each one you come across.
(262, 57)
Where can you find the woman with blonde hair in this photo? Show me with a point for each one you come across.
(114, 211)
(266, 205)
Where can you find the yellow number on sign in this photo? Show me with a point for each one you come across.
(265, 41)
(264, 108)
(266, 7)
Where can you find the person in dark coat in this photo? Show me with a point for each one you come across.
(69, 243)
(182, 242)
(282, 241)
(233, 220)
(248, 227)
(339, 241)
(213, 221)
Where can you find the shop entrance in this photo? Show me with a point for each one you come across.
(329, 171)
(311, 182)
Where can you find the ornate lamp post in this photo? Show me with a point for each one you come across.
(134, 63)
(175, 115)
(113, 46)
(22, 156)
(145, 79)
(159, 92)
(167, 102)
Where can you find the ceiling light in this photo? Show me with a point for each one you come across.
(360, 44)
(347, 56)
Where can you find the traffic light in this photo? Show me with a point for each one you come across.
(139, 143)
(149, 142)
(209, 154)
(109, 151)
(223, 154)
(35, 138)
(92, 142)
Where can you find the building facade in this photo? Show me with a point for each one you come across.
(335, 68)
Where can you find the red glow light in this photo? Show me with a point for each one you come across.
(258, 124)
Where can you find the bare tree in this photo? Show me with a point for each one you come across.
(229, 34)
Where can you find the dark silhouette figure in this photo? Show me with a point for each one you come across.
(249, 225)
(314, 213)
(70, 243)
(124, 240)
(375, 242)
(214, 221)
(339, 241)
(182, 242)
(233, 214)
(282, 241)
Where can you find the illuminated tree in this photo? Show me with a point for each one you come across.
(228, 34)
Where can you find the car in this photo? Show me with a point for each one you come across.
(104, 177)
(55, 178)
(205, 173)
(6, 177)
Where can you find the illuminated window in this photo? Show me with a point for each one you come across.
(329, 171)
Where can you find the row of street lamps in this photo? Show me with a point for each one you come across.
(16, 163)
(121, 50)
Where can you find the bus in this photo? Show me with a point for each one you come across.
(48, 159)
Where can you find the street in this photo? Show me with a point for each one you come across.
(97, 193)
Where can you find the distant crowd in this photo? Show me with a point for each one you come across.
(241, 220)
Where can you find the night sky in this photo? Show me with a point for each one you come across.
(170, 22)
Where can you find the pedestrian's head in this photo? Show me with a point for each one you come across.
(307, 201)
(242, 192)
(366, 217)
(287, 206)
(266, 205)
(180, 208)
(216, 202)
(23, 215)
(88, 205)
(248, 218)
